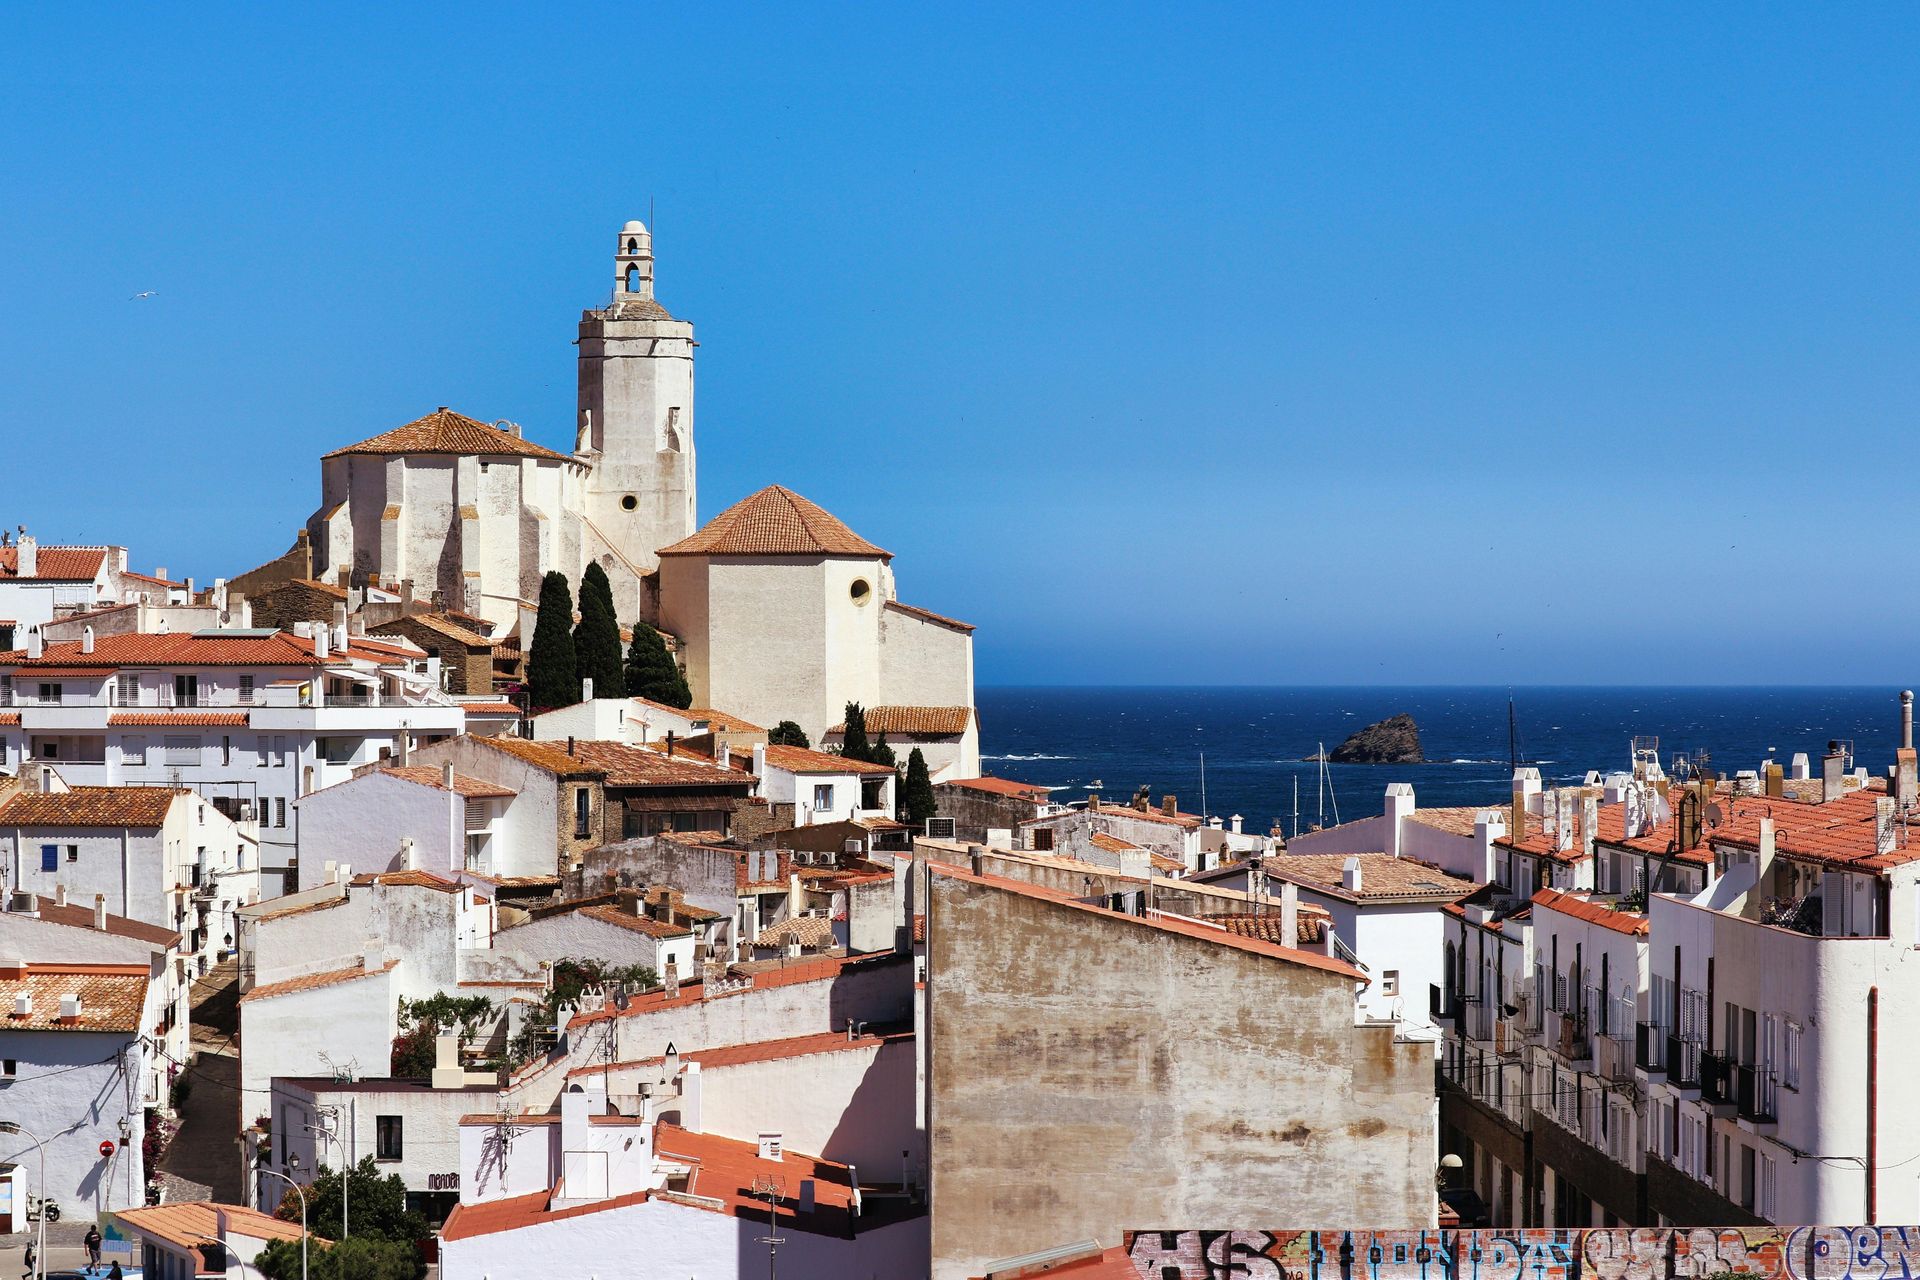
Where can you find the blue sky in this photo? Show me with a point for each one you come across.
(1244, 345)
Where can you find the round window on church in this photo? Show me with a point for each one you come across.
(629, 502)
(861, 591)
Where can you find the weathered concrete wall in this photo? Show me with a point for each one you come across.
(852, 1105)
(1089, 1071)
(73, 1090)
(706, 876)
(974, 812)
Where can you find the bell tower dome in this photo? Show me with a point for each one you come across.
(635, 425)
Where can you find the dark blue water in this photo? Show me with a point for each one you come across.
(1254, 738)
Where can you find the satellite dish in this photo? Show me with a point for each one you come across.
(1713, 815)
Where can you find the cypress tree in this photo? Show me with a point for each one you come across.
(553, 678)
(853, 743)
(652, 672)
(882, 753)
(788, 734)
(596, 641)
(917, 803)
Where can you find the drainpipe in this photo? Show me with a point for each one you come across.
(1873, 1099)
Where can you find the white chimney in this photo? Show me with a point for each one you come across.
(1802, 769)
(1234, 824)
(372, 956)
(23, 1005)
(36, 647)
(446, 776)
(28, 564)
(586, 688)
(759, 759)
(769, 1146)
(59, 894)
(1488, 826)
(1289, 914)
(1400, 807)
(320, 642)
(86, 638)
(1350, 877)
(340, 638)
(70, 1006)
(100, 912)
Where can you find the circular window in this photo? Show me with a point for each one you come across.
(860, 591)
(629, 502)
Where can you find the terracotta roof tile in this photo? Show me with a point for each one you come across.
(1593, 912)
(112, 996)
(932, 721)
(808, 931)
(1840, 833)
(1309, 926)
(723, 721)
(313, 981)
(177, 719)
(805, 760)
(549, 757)
(1121, 813)
(90, 807)
(775, 522)
(627, 766)
(410, 878)
(633, 923)
(463, 785)
(1457, 821)
(928, 615)
(490, 708)
(1000, 787)
(78, 917)
(439, 625)
(739, 1055)
(1382, 876)
(56, 564)
(175, 648)
(444, 431)
(1112, 844)
(187, 1224)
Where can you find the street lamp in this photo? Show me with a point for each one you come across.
(321, 1131)
(226, 1252)
(301, 1192)
(40, 1251)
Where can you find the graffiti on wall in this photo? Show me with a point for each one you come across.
(1624, 1253)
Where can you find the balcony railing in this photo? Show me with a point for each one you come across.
(1614, 1057)
(1650, 1046)
(1509, 1037)
(1683, 1062)
(1439, 1008)
(1476, 1021)
(1754, 1087)
(1570, 1039)
(1716, 1077)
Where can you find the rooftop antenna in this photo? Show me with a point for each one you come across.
(768, 1187)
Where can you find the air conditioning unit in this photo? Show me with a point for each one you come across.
(939, 829)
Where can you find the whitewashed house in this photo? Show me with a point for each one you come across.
(405, 818)
(164, 857)
(808, 787)
(948, 738)
(197, 1239)
(39, 584)
(74, 1070)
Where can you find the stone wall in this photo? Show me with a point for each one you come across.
(468, 668)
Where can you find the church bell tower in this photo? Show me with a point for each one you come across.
(635, 424)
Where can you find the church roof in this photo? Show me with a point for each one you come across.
(775, 522)
(444, 431)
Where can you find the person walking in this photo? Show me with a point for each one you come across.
(32, 1259)
(93, 1246)
(116, 1273)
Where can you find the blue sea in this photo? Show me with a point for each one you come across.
(1254, 739)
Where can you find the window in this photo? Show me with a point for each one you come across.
(8, 1068)
(182, 751)
(279, 749)
(1763, 1196)
(50, 694)
(246, 689)
(1043, 839)
(582, 812)
(1390, 983)
(49, 857)
(629, 502)
(129, 695)
(861, 591)
(823, 798)
(133, 749)
(6, 687)
(386, 1137)
(226, 748)
(1790, 1061)
(186, 691)
(73, 853)
(280, 812)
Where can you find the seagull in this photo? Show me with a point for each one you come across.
(148, 294)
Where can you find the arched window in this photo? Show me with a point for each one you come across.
(633, 246)
(633, 278)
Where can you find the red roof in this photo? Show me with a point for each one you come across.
(175, 648)
(1000, 787)
(1592, 912)
(177, 719)
(1840, 833)
(739, 1055)
(928, 615)
(311, 981)
(806, 760)
(141, 807)
(775, 522)
(428, 776)
(444, 431)
(56, 564)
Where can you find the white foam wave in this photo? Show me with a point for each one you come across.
(1036, 756)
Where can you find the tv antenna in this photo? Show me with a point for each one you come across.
(768, 1188)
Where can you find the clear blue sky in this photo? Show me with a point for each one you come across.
(1168, 345)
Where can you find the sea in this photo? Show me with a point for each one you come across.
(1254, 740)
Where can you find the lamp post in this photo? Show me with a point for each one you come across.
(40, 1251)
(225, 1252)
(320, 1130)
(301, 1192)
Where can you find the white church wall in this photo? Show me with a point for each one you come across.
(764, 640)
(851, 654)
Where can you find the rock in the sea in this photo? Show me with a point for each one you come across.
(1395, 740)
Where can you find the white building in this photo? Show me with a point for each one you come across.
(404, 818)
(809, 787)
(948, 738)
(251, 720)
(640, 722)
(784, 613)
(74, 1069)
(164, 857)
(39, 584)
(197, 1239)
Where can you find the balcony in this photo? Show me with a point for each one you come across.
(1754, 1094)
(1650, 1047)
(1683, 1062)
(1476, 1020)
(1614, 1057)
(1571, 1041)
(1439, 1007)
(1509, 1037)
(1716, 1078)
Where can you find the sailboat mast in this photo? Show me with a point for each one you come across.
(1320, 776)
(1296, 806)
(1513, 739)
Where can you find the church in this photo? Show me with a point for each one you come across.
(779, 610)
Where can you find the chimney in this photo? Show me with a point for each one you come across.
(1906, 778)
(759, 759)
(372, 957)
(1771, 776)
(1350, 878)
(1832, 771)
(1234, 824)
(160, 572)
(1289, 914)
(28, 564)
(586, 688)
(1589, 823)
(70, 1008)
(769, 1146)
(1764, 869)
(320, 643)
(1400, 807)
(242, 610)
(22, 1003)
(1906, 718)
(977, 859)
(1886, 834)
(569, 744)
(1689, 812)
(1488, 826)
(1801, 771)
(670, 979)
(406, 597)
(59, 894)
(36, 647)
(1093, 802)
(669, 744)
(100, 912)
(1168, 807)
(86, 638)
(340, 638)
(446, 776)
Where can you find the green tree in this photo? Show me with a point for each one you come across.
(376, 1209)
(881, 753)
(424, 1021)
(652, 672)
(853, 740)
(596, 641)
(553, 675)
(355, 1258)
(787, 734)
(916, 794)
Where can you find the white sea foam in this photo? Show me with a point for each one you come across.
(1039, 756)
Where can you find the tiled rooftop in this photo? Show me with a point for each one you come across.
(444, 431)
(805, 760)
(314, 981)
(138, 807)
(1000, 787)
(927, 721)
(175, 648)
(1599, 913)
(775, 522)
(928, 615)
(1382, 876)
(55, 564)
(112, 996)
